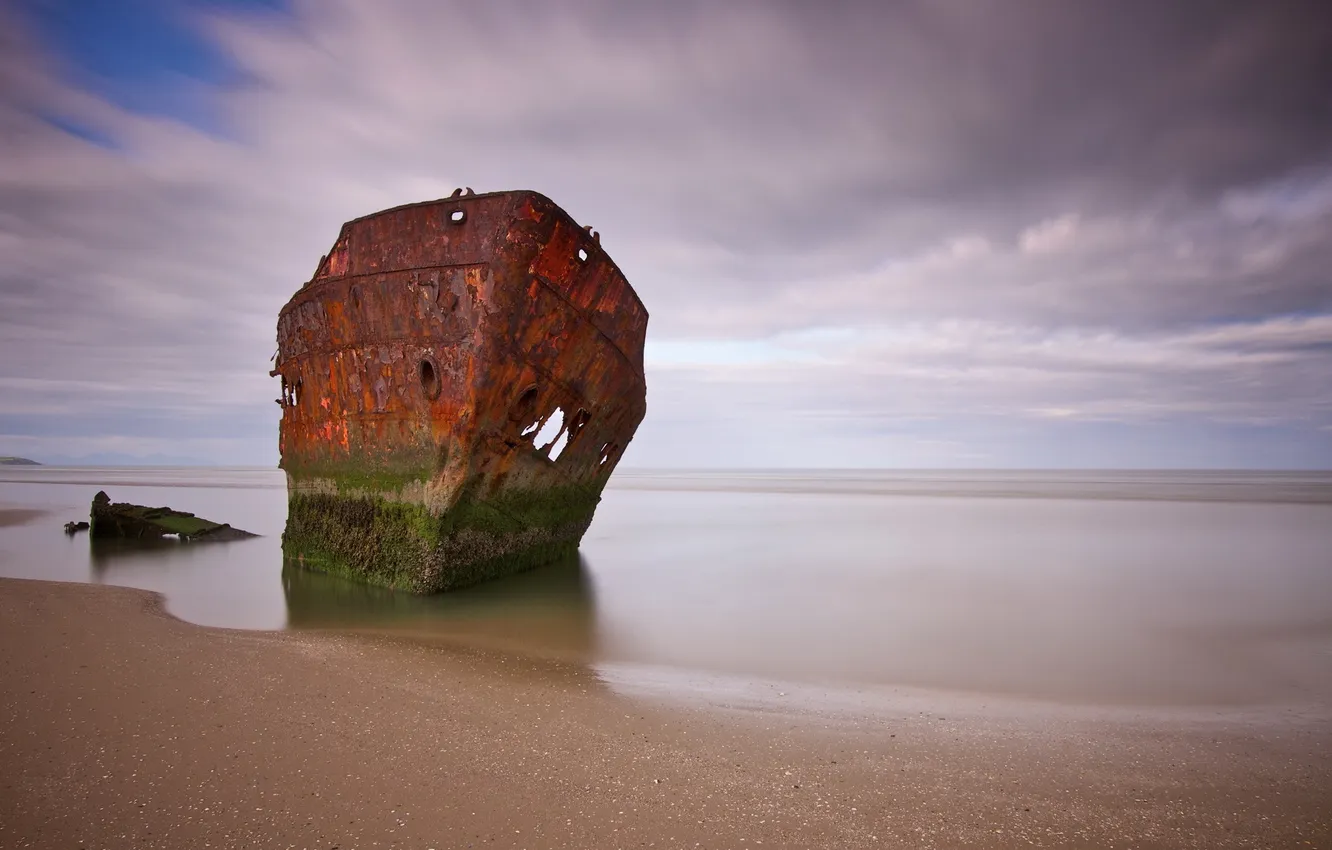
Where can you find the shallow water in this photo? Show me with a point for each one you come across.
(1184, 589)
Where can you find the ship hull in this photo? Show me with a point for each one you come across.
(460, 379)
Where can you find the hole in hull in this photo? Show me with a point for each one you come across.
(429, 380)
(521, 412)
(561, 443)
(554, 425)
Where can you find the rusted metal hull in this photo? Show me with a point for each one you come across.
(419, 363)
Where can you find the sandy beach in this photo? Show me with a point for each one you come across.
(124, 727)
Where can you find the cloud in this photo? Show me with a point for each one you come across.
(861, 216)
(1050, 235)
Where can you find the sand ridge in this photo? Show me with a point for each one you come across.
(19, 516)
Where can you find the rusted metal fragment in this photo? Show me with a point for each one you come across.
(433, 343)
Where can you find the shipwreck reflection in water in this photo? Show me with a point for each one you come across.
(549, 611)
(113, 559)
(106, 553)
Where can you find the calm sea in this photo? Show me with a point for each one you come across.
(1124, 588)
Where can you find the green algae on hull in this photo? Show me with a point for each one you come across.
(402, 545)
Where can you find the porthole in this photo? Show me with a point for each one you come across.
(430, 385)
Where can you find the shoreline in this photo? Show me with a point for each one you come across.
(857, 701)
(126, 726)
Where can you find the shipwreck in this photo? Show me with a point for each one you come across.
(459, 379)
(109, 519)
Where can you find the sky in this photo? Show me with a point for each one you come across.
(915, 234)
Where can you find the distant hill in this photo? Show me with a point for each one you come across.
(17, 461)
(118, 459)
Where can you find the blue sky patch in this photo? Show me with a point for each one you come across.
(147, 56)
(87, 132)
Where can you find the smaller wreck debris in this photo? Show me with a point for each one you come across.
(72, 527)
(121, 519)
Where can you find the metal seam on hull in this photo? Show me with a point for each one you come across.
(315, 282)
(574, 307)
(577, 311)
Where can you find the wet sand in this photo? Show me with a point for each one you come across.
(18, 516)
(123, 727)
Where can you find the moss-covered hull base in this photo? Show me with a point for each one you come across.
(404, 546)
